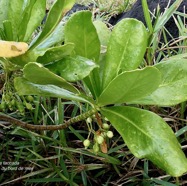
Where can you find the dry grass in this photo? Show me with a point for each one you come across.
(109, 5)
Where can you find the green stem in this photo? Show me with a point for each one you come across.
(66, 124)
(177, 181)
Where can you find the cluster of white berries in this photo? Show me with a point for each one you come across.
(99, 137)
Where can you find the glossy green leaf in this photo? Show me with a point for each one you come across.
(173, 87)
(148, 136)
(56, 37)
(4, 5)
(81, 31)
(25, 87)
(130, 85)
(56, 53)
(72, 68)
(15, 14)
(36, 73)
(59, 8)
(126, 48)
(102, 31)
(31, 19)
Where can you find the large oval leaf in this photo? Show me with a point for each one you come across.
(72, 68)
(56, 53)
(130, 86)
(25, 87)
(126, 48)
(173, 88)
(36, 73)
(81, 31)
(148, 136)
(103, 32)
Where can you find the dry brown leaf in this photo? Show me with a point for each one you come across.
(103, 147)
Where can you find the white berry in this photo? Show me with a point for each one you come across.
(110, 134)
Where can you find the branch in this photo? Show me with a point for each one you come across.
(66, 124)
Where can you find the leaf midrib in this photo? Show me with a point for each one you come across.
(131, 123)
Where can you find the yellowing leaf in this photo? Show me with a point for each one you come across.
(12, 49)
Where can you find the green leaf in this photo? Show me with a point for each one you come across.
(59, 8)
(29, 56)
(2, 34)
(42, 53)
(178, 56)
(130, 85)
(25, 87)
(36, 73)
(102, 31)
(173, 87)
(7, 25)
(81, 31)
(72, 68)
(15, 14)
(56, 53)
(148, 136)
(45, 54)
(56, 37)
(4, 6)
(32, 18)
(126, 48)
(33, 54)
